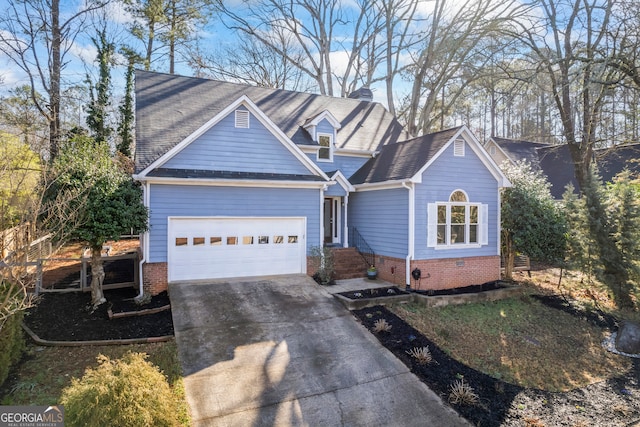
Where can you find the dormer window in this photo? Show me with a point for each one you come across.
(325, 153)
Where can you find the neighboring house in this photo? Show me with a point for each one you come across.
(245, 181)
(556, 163)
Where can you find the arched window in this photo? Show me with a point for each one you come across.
(457, 222)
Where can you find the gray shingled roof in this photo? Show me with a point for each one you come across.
(556, 163)
(520, 150)
(169, 108)
(402, 160)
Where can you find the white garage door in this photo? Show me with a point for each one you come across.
(212, 248)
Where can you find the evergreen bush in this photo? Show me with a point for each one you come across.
(11, 342)
(124, 392)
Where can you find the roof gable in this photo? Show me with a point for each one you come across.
(170, 108)
(409, 159)
(326, 114)
(243, 102)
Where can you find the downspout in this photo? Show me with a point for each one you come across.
(412, 230)
(145, 242)
(322, 190)
(346, 224)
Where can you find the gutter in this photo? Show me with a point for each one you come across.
(412, 231)
(145, 201)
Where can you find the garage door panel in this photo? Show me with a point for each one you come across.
(202, 248)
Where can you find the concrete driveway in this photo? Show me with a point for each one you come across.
(280, 351)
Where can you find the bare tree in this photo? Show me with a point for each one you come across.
(568, 44)
(315, 27)
(35, 39)
(254, 63)
(451, 40)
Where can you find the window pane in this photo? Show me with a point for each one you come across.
(457, 234)
(324, 153)
(442, 234)
(458, 196)
(263, 240)
(197, 241)
(182, 241)
(215, 241)
(232, 240)
(293, 239)
(442, 214)
(324, 141)
(457, 214)
(473, 234)
(247, 240)
(473, 214)
(278, 239)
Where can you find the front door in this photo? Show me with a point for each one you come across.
(332, 220)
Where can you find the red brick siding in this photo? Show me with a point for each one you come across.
(391, 270)
(456, 272)
(155, 277)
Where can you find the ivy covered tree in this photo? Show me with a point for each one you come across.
(125, 126)
(97, 113)
(91, 199)
(532, 223)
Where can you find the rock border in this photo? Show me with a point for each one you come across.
(127, 341)
(432, 300)
(122, 314)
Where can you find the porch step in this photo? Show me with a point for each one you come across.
(348, 263)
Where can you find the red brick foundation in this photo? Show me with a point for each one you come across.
(456, 272)
(391, 269)
(154, 277)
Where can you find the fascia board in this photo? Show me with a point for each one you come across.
(326, 114)
(232, 182)
(342, 181)
(482, 154)
(385, 185)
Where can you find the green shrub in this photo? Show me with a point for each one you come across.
(128, 391)
(11, 342)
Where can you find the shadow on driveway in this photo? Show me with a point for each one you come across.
(281, 351)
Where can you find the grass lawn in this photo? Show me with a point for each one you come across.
(46, 371)
(519, 340)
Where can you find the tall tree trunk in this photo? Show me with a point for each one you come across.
(97, 276)
(54, 77)
(509, 254)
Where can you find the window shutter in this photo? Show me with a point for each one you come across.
(484, 224)
(242, 119)
(432, 225)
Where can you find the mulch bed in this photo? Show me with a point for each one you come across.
(615, 402)
(489, 286)
(70, 317)
(389, 291)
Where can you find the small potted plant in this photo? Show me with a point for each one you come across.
(372, 273)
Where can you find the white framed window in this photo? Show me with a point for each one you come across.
(242, 119)
(457, 223)
(492, 150)
(325, 153)
(458, 148)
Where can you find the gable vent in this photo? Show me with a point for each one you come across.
(242, 119)
(458, 148)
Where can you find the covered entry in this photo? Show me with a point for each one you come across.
(219, 247)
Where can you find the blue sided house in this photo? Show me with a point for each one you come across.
(246, 181)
